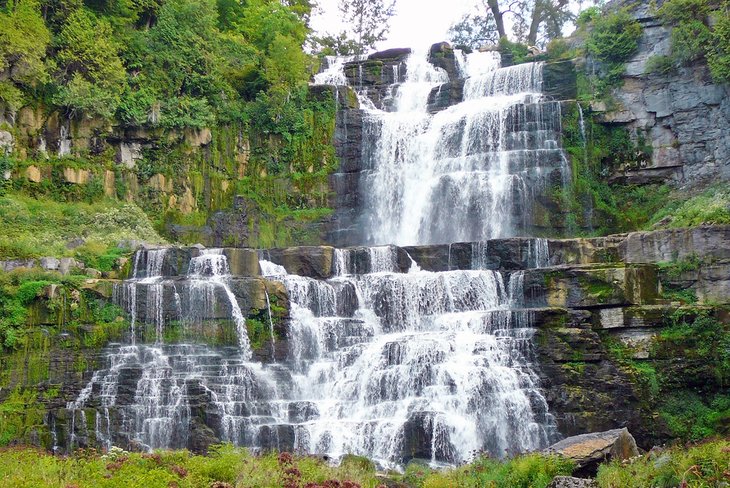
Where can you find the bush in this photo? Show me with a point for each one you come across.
(614, 37)
(660, 65)
(718, 57)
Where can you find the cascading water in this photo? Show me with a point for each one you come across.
(382, 359)
(157, 413)
(467, 173)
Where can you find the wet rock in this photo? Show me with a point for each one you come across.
(589, 450)
(560, 80)
(441, 55)
(395, 53)
(242, 262)
(311, 261)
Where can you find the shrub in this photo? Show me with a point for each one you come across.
(661, 65)
(719, 53)
(614, 37)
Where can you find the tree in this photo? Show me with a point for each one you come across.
(91, 75)
(23, 42)
(368, 21)
(473, 31)
(533, 21)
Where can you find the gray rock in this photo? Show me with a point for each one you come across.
(50, 263)
(75, 243)
(69, 265)
(589, 450)
(570, 482)
(12, 264)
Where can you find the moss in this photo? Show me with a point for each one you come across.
(21, 416)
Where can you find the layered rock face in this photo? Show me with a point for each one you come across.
(683, 115)
(254, 347)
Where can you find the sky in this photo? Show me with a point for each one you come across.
(416, 23)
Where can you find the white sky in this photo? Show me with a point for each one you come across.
(416, 23)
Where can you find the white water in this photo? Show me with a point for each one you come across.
(466, 173)
(381, 363)
(333, 71)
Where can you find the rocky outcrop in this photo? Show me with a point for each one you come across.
(592, 286)
(683, 115)
(589, 450)
(313, 261)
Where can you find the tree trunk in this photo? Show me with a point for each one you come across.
(537, 17)
(498, 18)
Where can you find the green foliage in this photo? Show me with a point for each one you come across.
(24, 39)
(20, 415)
(518, 51)
(223, 465)
(703, 465)
(37, 227)
(660, 65)
(718, 57)
(700, 30)
(527, 471)
(91, 74)
(709, 207)
(613, 207)
(692, 417)
(258, 332)
(614, 37)
(588, 16)
(368, 20)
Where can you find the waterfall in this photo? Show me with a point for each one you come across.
(380, 356)
(467, 173)
(381, 359)
(332, 71)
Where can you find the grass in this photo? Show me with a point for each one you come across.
(703, 465)
(710, 207)
(224, 467)
(37, 227)
(527, 471)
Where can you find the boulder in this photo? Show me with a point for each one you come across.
(50, 263)
(92, 273)
(391, 53)
(32, 173)
(570, 482)
(589, 450)
(12, 264)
